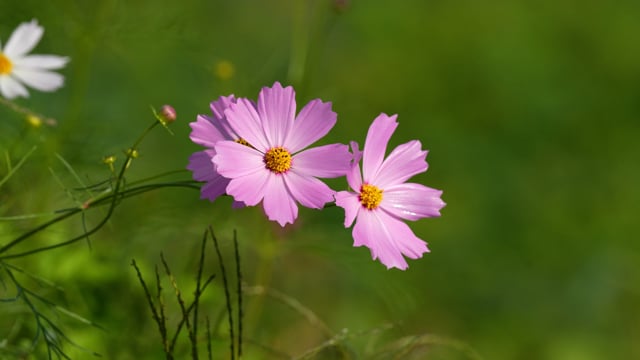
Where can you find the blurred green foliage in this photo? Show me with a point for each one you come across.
(530, 111)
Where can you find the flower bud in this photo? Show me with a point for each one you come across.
(132, 153)
(340, 6)
(33, 120)
(109, 160)
(224, 70)
(167, 114)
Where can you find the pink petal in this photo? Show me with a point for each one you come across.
(388, 239)
(249, 189)
(233, 160)
(277, 109)
(246, 122)
(312, 123)
(219, 120)
(214, 188)
(201, 165)
(376, 144)
(278, 203)
(350, 203)
(405, 161)
(354, 178)
(412, 201)
(219, 106)
(357, 154)
(308, 191)
(205, 133)
(237, 205)
(23, 39)
(369, 232)
(204, 170)
(328, 161)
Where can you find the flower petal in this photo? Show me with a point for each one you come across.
(10, 88)
(214, 188)
(412, 201)
(42, 80)
(328, 161)
(205, 133)
(312, 123)
(354, 177)
(201, 165)
(405, 161)
(277, 109)
(48, 62)
(278, 203)
(245, 121)
(357, 154)
(233, 159)
(249, 189)
(23, 39)
(369, 232)
(388, 239)
(307, 190)
(350, 203)
(376, 144)
(204, 170)
(219, 106)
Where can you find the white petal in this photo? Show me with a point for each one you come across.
(24, 38)
(41, 62)
(41, 80)
(10, 88)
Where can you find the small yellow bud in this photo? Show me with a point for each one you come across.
(132, 153)
(33, 120)
(109, 161)
(224, 70)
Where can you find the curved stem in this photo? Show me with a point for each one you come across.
(113, 203)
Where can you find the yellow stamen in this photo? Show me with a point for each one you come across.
(244, 142)
(278, 160)
(370, 196)
(5, 65)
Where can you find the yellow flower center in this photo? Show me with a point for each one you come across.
(278, 160)
(5, 65)
(370, 196)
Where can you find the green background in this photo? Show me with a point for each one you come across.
(530, 111)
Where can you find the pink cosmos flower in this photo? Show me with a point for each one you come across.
(383, 198)
(271, 164)
(207, 131)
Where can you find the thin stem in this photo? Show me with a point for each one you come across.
(226, 292)
(196, 301)
(154, 313)
(112, 199)
(239, 289)
(24, 111)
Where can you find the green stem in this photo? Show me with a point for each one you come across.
(113, 201)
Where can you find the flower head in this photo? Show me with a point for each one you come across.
(273, 165)
(168, 114)
(207, 131)
(382, 198)
(16, 67)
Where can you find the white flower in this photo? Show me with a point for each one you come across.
(18, 68)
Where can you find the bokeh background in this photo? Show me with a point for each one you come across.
(530, 112)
